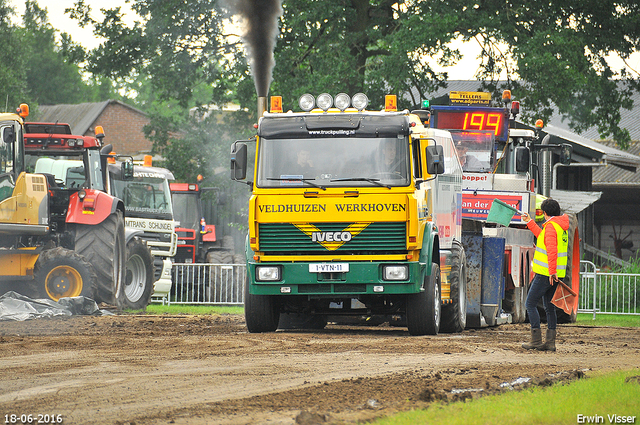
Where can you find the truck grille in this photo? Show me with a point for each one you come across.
(376, 237)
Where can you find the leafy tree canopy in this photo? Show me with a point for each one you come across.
(553, 52)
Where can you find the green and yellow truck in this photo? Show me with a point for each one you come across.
(353, 213)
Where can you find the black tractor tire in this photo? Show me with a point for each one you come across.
(103, 245)
(219, 285)
(139, 280)
(424, 308)
(454, 314)
(572, 278)
(60, 273)
(261, 312)
(219, 257)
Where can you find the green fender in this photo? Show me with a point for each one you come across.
(430, 244)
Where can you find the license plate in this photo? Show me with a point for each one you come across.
(328, 267)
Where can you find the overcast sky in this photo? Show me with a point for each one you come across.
(464, 70)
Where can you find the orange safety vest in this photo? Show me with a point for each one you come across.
(540, 258)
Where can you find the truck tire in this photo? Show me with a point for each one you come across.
(261, 312)
(423, 309)
(103, 246)
(60, 273)
(454, 314)
(572, 278)
(138, 285)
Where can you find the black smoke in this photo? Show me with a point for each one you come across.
(260, 20)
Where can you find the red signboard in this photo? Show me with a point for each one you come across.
(477, 206)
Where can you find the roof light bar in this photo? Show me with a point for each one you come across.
(324, 101)
(306, 102)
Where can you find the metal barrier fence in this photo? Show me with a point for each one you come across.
(221, 284)
(612, 293)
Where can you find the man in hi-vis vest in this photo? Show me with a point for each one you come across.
(549, 264)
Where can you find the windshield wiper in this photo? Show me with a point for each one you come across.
(362, 179)
(307, 181)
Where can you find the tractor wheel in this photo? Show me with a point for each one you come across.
(139, 280)
(261, 312)
(572, 278)
(219, 285)
(61, 273)
(103, 245)
(454, 315)
(423, 309)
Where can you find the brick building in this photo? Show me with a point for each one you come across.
(123, 124)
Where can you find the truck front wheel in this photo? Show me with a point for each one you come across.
(139, 279)
(423, 309)
(454, 314)
(261, 312)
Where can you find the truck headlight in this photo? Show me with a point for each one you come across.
(395, 272)
(267, 273)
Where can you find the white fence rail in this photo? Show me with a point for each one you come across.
(612, 293)
(223, 284)
(220, 284)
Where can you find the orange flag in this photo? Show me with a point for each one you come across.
(565, 298)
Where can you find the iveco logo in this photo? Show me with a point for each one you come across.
(330, 236)
(331, 240)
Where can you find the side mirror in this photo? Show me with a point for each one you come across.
(522, 159)
(8, 135)
(566, 150)
(238, 161)
(435, 159)
(126, 168)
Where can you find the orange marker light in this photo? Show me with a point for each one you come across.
(23, 110)
(506, 95)
(111, 159)
(390, 103)
(276, 104)
(539, 124)
(148, 160)
(99, 132)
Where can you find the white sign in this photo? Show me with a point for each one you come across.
(328, 267)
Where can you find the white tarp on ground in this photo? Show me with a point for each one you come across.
(14, 306)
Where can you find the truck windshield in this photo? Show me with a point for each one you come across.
(186, 209)
(333, 162)
(475, 150)
(147, 197)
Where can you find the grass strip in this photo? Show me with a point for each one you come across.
(599, 397)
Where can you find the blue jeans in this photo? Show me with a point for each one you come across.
(540, 288)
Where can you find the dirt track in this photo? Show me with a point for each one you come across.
(209, 370)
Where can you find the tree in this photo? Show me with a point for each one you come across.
(52, 70)
(552, 52)
(11, 61)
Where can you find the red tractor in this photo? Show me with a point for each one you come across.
(83, 217)
(197, 240)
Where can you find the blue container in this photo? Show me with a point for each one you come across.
(492, 278)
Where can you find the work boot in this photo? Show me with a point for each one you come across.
(550, 343)
(536, 340)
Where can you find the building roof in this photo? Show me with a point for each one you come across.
(80, 116)
(615, 176)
